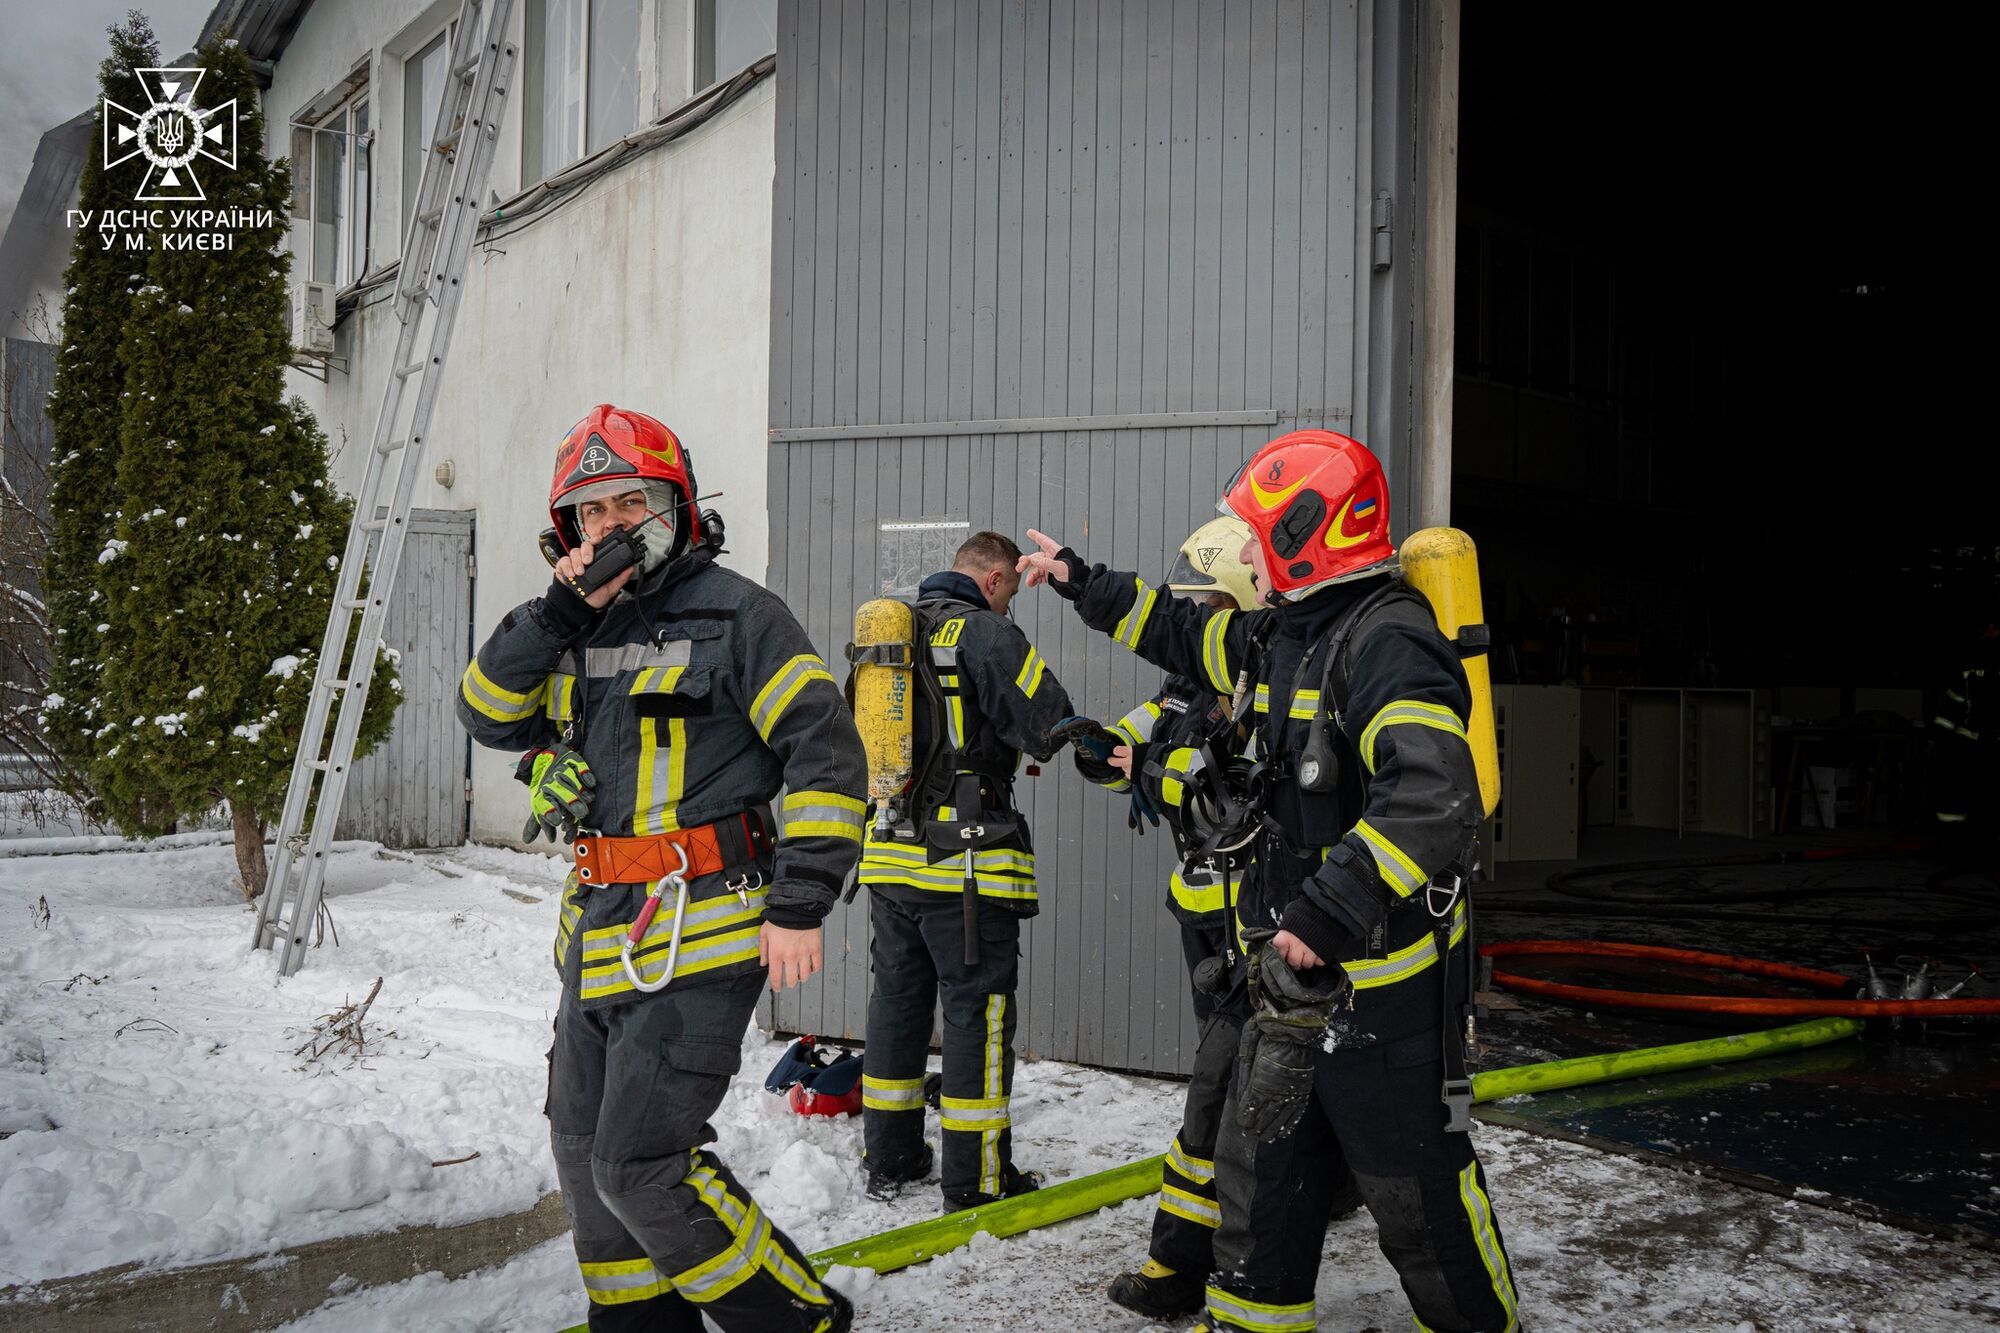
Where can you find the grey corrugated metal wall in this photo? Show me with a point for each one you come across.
(1064, 265)
(411, 791)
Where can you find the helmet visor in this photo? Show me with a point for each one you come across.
(1184, 577)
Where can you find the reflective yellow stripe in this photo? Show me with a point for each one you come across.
(1479, 1210)
(1201, 898)
(621, 1281)
(1198, 1170)
(1411, 712)
(892, 1094)
(1398, 871)
(1303, 707)
(1029, 678)
(502, 705)
(705, 955)
(1193, 1207)
(971, 1115)
(1180, 762)
(996, 1095)
(782, 688)
(824, 814)
(1367, 973)
(1215, 653)
(662, 776)
(566, 919)
(1259, 1317)
(1133, 625)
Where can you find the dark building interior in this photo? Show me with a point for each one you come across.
(1708, 389)
(1711, 433)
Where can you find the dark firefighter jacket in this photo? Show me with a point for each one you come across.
(1345, 870)
(1179, 716)
(1000, 700)
(694, 700)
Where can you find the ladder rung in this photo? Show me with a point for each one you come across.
(377, 524)
(359, 603)
(404, 372)
(449, 139)
(430, 216)
(466, 67)
(319, 764)
(389, 447)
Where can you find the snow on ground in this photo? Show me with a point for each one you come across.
(148, 1069)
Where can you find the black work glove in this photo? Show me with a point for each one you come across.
(1092, 745)
(1142, 811)
(1274, 1061)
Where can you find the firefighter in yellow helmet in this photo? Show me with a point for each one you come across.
(1202, 899)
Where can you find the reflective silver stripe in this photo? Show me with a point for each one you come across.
(1191, 1206)
(599, 663)
(967, 1113)
(704, 915)
(1194, 1169)
(944, 657)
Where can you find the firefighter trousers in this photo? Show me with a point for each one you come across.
(1376, 1110)
(1185, 1220)
(663, 1232)
(917, 957)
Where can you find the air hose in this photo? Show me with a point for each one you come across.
(904, 1246)
(1832, 1004)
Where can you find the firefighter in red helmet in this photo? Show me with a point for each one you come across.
(662, 709)
(1360, 814)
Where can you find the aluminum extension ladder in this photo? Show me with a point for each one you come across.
(429, 284)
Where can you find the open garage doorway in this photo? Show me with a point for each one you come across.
(1711, 426)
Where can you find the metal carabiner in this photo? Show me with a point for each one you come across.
(677, 878)
(1448, 890)
(741, 887)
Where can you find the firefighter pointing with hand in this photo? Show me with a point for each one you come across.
(662, 709)
(1358, 798)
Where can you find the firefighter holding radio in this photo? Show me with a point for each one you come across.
(663, 702)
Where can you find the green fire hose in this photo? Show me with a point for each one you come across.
(913, 1244)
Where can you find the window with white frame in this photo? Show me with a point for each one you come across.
(423, 94)
(581, 80)
(729, 34)
(332, 158)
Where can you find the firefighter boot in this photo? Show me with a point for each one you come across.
(884, 1186)
(1013, 1181)
(842, 1318)
(1158, 1292)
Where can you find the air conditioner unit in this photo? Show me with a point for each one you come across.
(312, 319)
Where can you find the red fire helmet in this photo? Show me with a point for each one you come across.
(612, 451)
(1318, 505)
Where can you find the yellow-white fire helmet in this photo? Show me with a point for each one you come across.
(1211, 560)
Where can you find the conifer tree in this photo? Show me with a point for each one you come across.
(227, 548)
(84, 415)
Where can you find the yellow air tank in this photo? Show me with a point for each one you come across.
(1443, 565)
(885, 697)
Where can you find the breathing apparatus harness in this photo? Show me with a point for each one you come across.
(1226, 807)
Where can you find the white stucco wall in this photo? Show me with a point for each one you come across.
(650, 290)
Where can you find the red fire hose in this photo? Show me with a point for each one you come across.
(1804, 1007)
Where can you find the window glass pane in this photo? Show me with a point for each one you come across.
(553, 135)
(614, 71)
(423, 89)
(361, 205)
(329, 175)
(744, 30)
